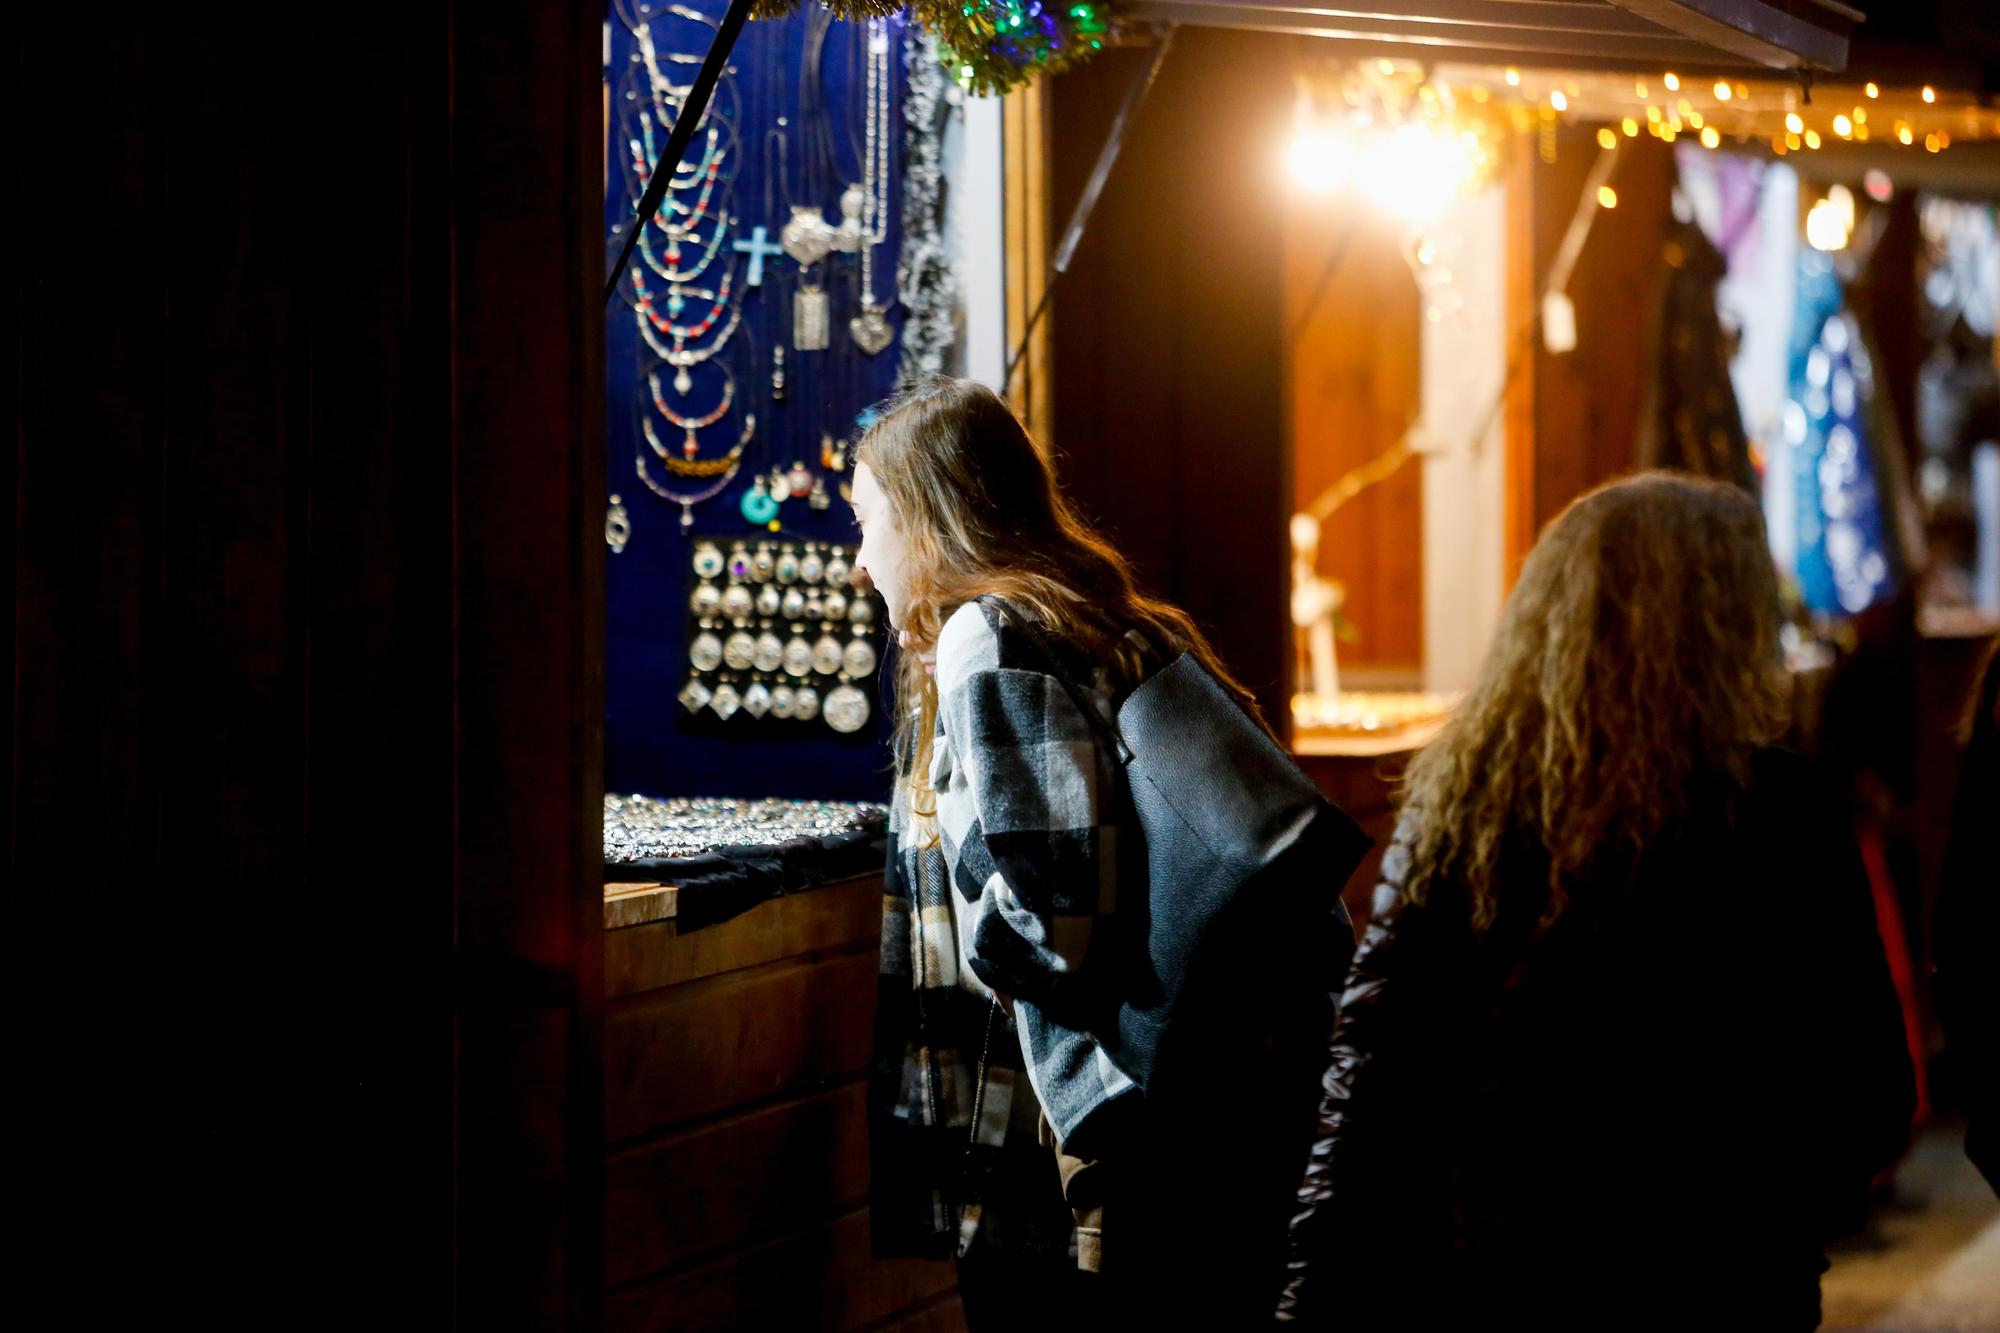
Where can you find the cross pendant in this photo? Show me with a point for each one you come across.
(756, 247)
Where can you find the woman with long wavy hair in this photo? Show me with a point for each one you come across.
(1618, 1048)
(1002, 1133)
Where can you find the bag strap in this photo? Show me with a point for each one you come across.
(1105, 730)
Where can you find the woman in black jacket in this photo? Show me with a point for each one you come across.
(1619, 1048)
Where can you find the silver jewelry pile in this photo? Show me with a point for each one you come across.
(640, 827)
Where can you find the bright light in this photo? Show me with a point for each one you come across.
(1880, 188)
(1861, 115)
(1387, 67)
(1793, 124)
(1558, 101)
(1653, 114)
(1694, 119)
(1930, 93)
(1872, 90)
(1640, 88)
(1723, 92)
(1631, 128)
(1841, 200)
(1824, 227)
(1607, 197)
(1812, 138)
(1793, 142)
(1709, 138)
(1932, 142)
(1843, 126)
(1513, 78)
(1606, 138)
(1672, 81)
(1903, 133)
(1414, 173)
(1322, 162)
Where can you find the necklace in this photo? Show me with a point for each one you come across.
(700, 467)
(713, 248)
(681, 358)
(686, 502)
(870, 328)
(677, 301)
(693, 424)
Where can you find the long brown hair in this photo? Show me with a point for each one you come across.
(1634, 673)
(981, 512)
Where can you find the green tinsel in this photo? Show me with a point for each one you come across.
(989, 46)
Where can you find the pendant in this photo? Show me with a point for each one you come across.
(834, 606)
(806, 237)
(781, 701)
(846, 237)
(694, 695)
(706, 600)
(859, 658)
(705, 654)
(769, 653)
(708, 560)
(725, 701)
(870, 331)
(738, 651)
(767, 601)
(617, 526)
(826, 655)
(778, 373)
(757, 699)
(736, 602)
(805, 703)
(798, 657)
(801, 481)
(846, 710)
(757, 505)
(811, 318)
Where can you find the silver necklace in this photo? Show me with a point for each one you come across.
(870, 328)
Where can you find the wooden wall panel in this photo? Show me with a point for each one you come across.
(1167, 342)
(729, 1184)
(1587, 401)
(822, 1278)
(657, 955)
(725, 1041)
(1355, 387)
(306, 642)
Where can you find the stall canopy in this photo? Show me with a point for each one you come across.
(1615, 34)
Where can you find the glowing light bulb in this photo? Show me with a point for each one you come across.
(1930, 93)
(1386, 67)
(1824, 229)
(1606, 138)
(1640, 89)
(1723, 92)
(1931, 142)
(1709, 137)
(1903, 134)
(1843, 126)
(1812, 138)
(1322, 162)
(1630, 126)
(1607, 197)
(1672, 81)
(1793, 124)
(1872, 90)
(1513, 78)
(1558, 101)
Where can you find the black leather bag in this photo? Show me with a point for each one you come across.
(1245, 862)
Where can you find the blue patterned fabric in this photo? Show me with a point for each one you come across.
(1846, 558)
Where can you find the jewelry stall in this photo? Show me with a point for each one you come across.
(1349, 549)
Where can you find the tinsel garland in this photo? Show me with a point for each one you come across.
(926, 283)
(989, 46)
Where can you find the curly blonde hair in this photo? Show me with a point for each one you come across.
(1634, 673)
(977, 501)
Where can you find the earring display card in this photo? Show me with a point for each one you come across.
(778, 639)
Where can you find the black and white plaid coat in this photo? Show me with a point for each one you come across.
(1024, 876)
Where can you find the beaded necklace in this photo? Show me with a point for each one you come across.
(700, 467)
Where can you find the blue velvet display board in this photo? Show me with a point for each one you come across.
(652, 744)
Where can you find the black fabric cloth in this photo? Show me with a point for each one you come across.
(729, 881)
(1648, 1115)
(1966, 941)
(1690, 420)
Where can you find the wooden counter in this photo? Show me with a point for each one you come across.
(736, 1169)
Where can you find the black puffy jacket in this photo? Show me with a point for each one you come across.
(1649, 1115)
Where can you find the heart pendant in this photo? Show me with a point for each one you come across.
(870, 331)
(806, 237)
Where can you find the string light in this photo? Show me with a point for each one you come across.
(1793, 124)
(1709, 138)
(1607, 197)
(1513, 78)
(1723, 92)
(1872, 90)
(1672, 81)
(1812, 138)
(1630, 126)
(1607, 139)
(1931, 142)
(1843, 126)
(1694, 119)
(1558, 101)
(1930, 93)
(1640, 88)
(1903, 133)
